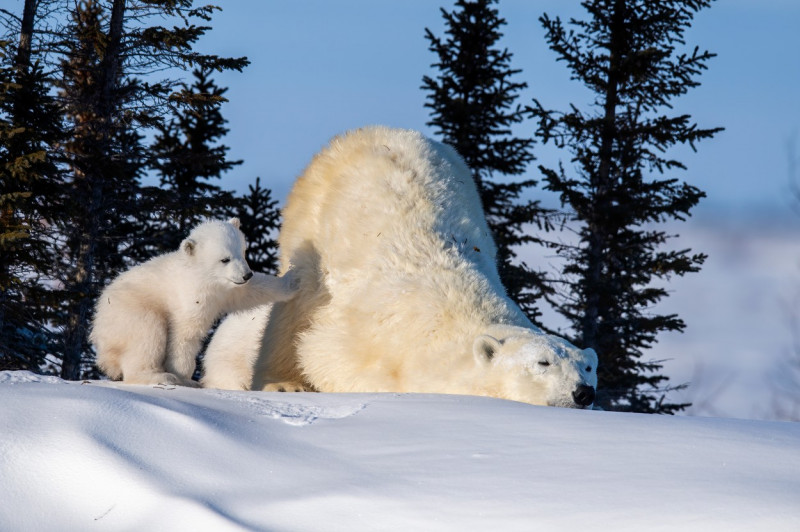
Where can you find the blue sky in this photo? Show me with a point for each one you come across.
(320, 67)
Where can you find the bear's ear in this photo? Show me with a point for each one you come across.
(235, 222)
(485, 347)
(591, 355)
(188, 246)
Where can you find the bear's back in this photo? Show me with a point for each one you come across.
(380, 198)
(154, 282)
(398, 269)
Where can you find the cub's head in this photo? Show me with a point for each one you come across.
(217, 248)
(537, 368)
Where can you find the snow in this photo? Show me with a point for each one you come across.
(106, 456)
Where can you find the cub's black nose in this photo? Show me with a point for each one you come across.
(584, 395)
(248, 276)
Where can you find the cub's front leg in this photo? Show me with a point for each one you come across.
(263, 289)
(281, 288)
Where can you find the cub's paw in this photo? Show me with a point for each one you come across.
(281, 288)
(286, 387)
(291, 282)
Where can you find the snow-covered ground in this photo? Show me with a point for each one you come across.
(107, 456)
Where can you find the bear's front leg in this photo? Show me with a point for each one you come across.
(275, 288)
(263, 289)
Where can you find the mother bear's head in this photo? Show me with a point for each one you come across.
(533, 367)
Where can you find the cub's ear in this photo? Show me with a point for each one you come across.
(235, 222)
(188, 246)
(485, 347)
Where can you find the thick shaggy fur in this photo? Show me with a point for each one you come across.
(150, 322)
(400, 290)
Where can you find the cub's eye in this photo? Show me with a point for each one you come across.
(544, 363)
(226, 260)
(589, 369)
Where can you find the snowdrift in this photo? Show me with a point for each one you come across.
(105, 456)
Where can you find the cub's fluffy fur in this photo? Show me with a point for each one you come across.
(150, 322)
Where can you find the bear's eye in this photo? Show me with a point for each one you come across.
(589, 369)
(544, 363)
(226, 260)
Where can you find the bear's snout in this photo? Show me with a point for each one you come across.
(247, 276)
(584, 395)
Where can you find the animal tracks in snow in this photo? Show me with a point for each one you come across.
(293, 413)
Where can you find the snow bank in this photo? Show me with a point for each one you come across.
(107, 456)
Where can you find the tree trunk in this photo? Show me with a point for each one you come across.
(23, 59)
(111, 62)
(601, 183)
(84, 275)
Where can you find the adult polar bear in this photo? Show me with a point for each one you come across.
(400, 290)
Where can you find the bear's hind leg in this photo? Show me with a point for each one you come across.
(143, 360)
(182, 353)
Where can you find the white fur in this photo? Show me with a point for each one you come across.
(400, 290)
(230, 355)
(150, 322)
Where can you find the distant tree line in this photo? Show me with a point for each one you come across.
(95, 95)
(630, 55)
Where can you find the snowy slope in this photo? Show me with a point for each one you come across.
(106, 456)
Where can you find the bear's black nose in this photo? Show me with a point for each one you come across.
(248, 276)
(584, 395)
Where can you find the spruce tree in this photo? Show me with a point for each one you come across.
(188, 158)
(29, 128)
(104, 157)
(260, 219)
(630, 54)
(472, 102)
(21, 340)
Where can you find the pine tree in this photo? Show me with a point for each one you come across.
(104, 157)
(18, 248)
(472, 102)
(29, 127)
(188, 158)
(260, 219)
(627, 53)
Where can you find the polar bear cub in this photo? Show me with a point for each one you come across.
(150, 321)
(400, 290)
(230, 355)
